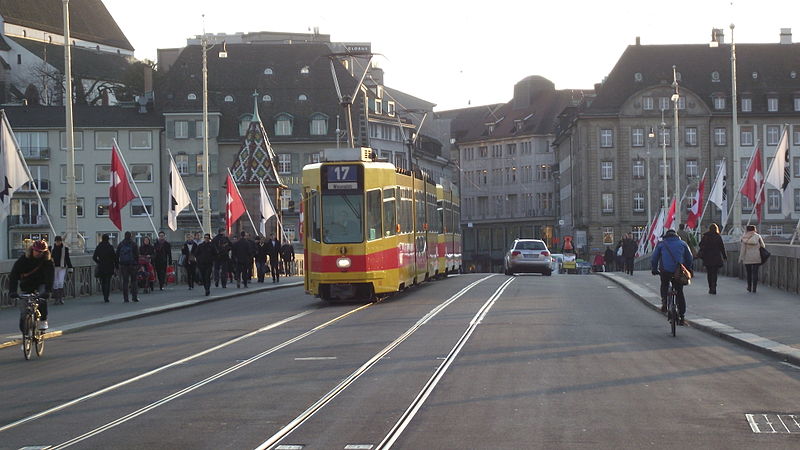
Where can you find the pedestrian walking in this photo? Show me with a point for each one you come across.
(242, 252)
(222, 250)
(750, 255)
(127, 259)
(261, 258)
(206, 256)
(712, 252)
(287, 256)
(629, 248)
(608, 258)
(189, 255)
(106, 260)
(63, 265)
(686, 236)
(162, 258)
(273, 250)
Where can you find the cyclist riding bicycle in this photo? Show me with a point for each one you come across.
(33, 272)
(670, 252)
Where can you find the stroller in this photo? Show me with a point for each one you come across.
(146, 275)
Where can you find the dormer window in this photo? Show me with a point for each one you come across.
(378, 107)
(772, 104)
(191, 96)
(715, 77)
(283, 124)
(747, 104)
(319, 124)
(302, 97)
(647, 103)
(228, 99)
(390, 108)
(755, 75)
(304, 70)
(638, 77)
(719, 102)
(244, 124)
(268, 71)
(266, 98)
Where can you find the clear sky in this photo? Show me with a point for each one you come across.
(456, 53)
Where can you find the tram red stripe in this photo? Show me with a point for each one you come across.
(382, 260)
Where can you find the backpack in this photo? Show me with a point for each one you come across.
(126, 253)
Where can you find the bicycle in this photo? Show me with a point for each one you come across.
(672, 308)
(32, 336)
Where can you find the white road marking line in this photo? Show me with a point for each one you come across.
(752, 422)
(204, 382)
(289, 447)
(415, 406)
(782, 423)
(345, 383)
(357, 446)
(151, 373)
(769, 423)
(794, 419)
(315, 358)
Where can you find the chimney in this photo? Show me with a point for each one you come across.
(718, 35)
(638, 41)
(786, 35)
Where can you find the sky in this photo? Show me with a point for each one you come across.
(458, 54)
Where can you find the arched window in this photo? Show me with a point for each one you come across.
(191, 96)
(228, 99)
(266, 98)
(304, 70)
(319, 124)
(244, 123)
(302, 97)
(268, 71)
(283, 124)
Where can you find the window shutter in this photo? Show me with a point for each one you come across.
(171, 129)
(213, 125)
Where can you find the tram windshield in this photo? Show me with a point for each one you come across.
(343, 218)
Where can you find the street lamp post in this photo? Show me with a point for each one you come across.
(664, 151)
(206, 168)
(72, 239)
(675, 99)
(736, 228)
(650, 135)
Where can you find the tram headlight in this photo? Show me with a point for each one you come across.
(343, 263)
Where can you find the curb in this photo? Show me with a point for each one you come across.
(752, 341)
(94, 323)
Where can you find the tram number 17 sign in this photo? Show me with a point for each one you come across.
(342, 177)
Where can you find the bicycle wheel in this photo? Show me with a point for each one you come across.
(673, 315)
(27, 336)
(38, 336)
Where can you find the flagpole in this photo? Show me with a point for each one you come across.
(700, 220)
(738, 192)
(191, 203)
(135, 186)
(245, 204)
(757, 203)
(28, 173)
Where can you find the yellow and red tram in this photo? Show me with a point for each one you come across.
(371, 229)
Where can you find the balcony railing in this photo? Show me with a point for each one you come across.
(36, 153)
(28, 220)
(42, 184)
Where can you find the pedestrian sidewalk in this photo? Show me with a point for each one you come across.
(88, 312)
(766, 321)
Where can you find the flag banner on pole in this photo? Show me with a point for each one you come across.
(645, 239)
(779, 175)
(178, 195)
(267, 210)
(719, 194)
(753, 182)
(657, 229)
(234, 205)
(12, 172)
(119, 190)
(670, 217)
(697, 205)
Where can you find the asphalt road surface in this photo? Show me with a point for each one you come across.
(475, 361)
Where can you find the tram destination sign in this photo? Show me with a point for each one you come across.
(343, 177)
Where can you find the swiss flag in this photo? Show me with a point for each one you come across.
(119, 190)
(753, 182)
(697, 205)
(670, 217)
(234, 205)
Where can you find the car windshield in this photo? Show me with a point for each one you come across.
(530, 245)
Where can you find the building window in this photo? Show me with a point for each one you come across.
(139, 210)
(268, 71)
(78, 173)
(181, 129)
(661, 168)
(511, 149)
(663, 103)
(747, 104)
(775, 230)
(638, 202)
(284, 163)
(266, 98)
(544, 172)
(302, 97)
(720, 137)
(746, 136)
(81, 204)
(647, 103)
(142, 172)
(681, 103)
(286, 199)
(797, 103)
(77, 140)
(773, 201)
(198, 164)
(102, 173)
(304, 70)
(228, 99)
(772, 104)
(191, 96)
(378, 107)
(637, 137)
(665, 136)
(691, 136)
(607, 203)
(283, 125)
(719, 102)
(101, 206)
(607, 170)
(606, 138)
(390, 108)
(198, 129)
(483, 151)
(638, 169)
(182, 162)
(141, 140)
(797, 200)
(319, 125)
(497, 151)
(773, 134)
(104, 140)
(692, 168)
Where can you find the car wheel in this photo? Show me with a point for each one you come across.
(548, 273)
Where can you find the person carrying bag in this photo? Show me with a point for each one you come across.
(675, 260)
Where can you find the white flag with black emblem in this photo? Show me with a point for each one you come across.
(178, 195)
(12, 172)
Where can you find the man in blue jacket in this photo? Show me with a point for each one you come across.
(670, 252)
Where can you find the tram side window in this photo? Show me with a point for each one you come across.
(313, 215)
(420, 197)
(440, 214)
(343, 218)
(374, 217)
(389, 213)
(405, 211)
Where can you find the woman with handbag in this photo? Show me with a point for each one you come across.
(106, 259)
(60, 255)
(712, 251)
(189, 260)
(750, 256)
(674, 258)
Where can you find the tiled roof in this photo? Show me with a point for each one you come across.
(242, 73)
(50, 117)
(85, 63)
(89, 19)
(773, 64)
